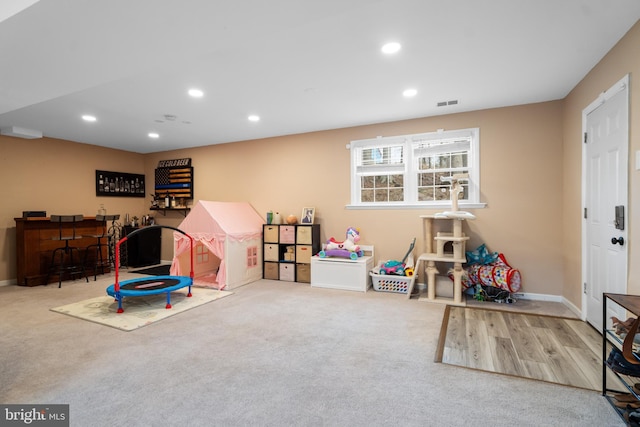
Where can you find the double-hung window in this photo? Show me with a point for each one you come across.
(408, 170)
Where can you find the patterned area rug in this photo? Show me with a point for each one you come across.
(138, 311)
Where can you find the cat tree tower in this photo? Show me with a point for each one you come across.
(449, 220)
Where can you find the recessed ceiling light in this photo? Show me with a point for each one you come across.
(409, 93)
(254, 118)
(154, 135)
(88, 118)
(390, 48)
(196, 93)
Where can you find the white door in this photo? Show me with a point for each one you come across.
(606, 148)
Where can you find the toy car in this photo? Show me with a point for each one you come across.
(392, 267)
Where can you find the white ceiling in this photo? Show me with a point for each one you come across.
(300, 65)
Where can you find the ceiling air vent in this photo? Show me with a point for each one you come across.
(445, 103)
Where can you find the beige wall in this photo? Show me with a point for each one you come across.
(530, 176)
(520, 172)
(58, 177)
(621, 60)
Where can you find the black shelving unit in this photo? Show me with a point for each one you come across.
(609, 340)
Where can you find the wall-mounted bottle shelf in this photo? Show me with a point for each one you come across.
(184, 211)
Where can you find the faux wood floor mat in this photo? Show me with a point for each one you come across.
(553, 349)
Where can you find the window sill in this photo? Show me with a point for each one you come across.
(461, 206)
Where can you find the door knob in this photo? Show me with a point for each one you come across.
(618, 240)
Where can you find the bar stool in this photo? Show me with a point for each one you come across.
(99, 261)
(70, 267)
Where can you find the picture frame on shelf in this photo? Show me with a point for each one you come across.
(307, 216)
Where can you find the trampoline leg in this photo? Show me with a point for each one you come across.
(119, 299)
(168, 306)
(189, 293)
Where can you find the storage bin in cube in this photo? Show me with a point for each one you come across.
(304, 236)
(304, 254)
(287, 234)
(271, 234)
(271, 270)
(271, 252)
(303, 273)
(287, 272)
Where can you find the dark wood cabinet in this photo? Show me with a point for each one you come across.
(143, 248)
(34, 246)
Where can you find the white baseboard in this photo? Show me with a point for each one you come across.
(545, 297)
(534, 297)
(8, 282)
(572, 307)
(537, 297)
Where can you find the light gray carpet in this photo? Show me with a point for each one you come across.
(272, 354)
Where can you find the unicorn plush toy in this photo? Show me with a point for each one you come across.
(347, 249)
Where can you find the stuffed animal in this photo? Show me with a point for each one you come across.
(346, 249)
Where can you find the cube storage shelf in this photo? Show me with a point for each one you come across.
(288, 250)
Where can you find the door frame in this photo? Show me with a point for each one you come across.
(619, 86)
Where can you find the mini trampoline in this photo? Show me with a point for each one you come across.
(149, 286)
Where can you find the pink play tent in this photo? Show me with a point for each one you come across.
(227, 239)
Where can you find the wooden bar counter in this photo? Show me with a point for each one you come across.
(34, 246)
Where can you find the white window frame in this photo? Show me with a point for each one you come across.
(409, 168)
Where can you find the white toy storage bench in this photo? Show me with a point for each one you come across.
(343, 273)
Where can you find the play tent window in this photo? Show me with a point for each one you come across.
(202, 254)
(404, 171)
(252, 256)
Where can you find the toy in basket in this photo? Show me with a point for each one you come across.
(345, 249)
(395, 276)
